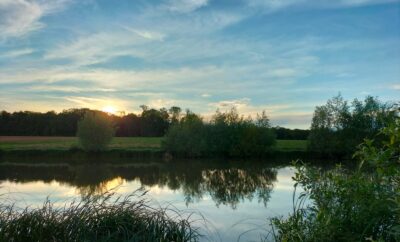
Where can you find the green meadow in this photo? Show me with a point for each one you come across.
(16, 143)
(67, 143)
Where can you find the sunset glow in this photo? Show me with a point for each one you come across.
(109, 109)
(285, 57)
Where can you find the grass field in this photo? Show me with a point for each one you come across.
(9, 143)
(66, 143)
(291, 145)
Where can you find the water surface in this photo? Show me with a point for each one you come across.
(235, 198)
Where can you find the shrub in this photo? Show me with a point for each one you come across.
(227, 134)
(350, 206)
(187, 137)
(95, 131)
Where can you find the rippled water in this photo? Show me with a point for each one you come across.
(235, 198)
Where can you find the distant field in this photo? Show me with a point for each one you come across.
(125, 143)
(65, 143)
(291, 145)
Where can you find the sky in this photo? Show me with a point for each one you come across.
(281, 56)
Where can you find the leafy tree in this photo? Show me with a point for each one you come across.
(227, 134)
(128, 125)
(154, 122)
(188, 137)
(262, 120)
(95, 131)
(175, 114)
(337, 127)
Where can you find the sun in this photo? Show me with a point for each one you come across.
(109, 109)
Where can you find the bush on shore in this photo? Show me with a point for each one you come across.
(350, 206)
(95, 131)
(227, 134)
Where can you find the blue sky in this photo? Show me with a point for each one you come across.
(283, 56)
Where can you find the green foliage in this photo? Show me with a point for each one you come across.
(187, 137)
(385, 156)
(95, 131)
(227, 134)
(291, 134)
(96, 218)
(338, 128)
(40, 124)
(154, 123)
(350, 206)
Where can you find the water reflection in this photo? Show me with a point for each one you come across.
(226, 183)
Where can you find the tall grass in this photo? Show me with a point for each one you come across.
(95, 218)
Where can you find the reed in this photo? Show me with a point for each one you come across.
(96, 218)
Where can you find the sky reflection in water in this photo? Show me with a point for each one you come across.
(234, 197)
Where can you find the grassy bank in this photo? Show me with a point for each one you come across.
(21, 143)
(96, 218)
(14, 148)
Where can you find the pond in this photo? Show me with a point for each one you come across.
(230, 200)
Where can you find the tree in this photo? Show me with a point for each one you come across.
(175, 114)
(187, 137)
(227, 134)
(95, 131)
(262, 120)
(154, 122)
(338, 128)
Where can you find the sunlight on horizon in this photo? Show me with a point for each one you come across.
(109, 109)
(202, 55)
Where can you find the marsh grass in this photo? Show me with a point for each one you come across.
(96, 218)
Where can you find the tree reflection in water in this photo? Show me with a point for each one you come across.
(227, 183)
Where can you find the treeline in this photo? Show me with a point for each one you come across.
(149, 123)
(291, 134)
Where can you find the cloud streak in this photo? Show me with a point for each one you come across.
(186, 6)
(20, 17)
(17, 53)
(274, 5)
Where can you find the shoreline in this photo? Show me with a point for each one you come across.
(125, 155)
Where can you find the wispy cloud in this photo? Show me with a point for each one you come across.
(95, 48)
(396, 87)
(20, 17)
(274, 5)
(17, 53)
(96, 103)
(227, 104)
(185, 6)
